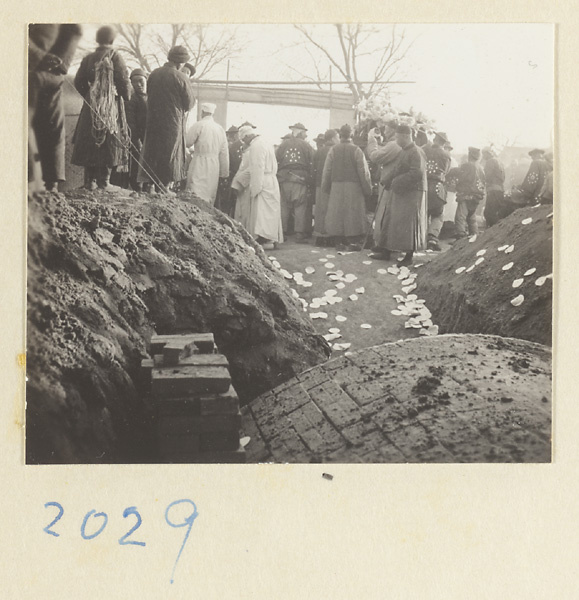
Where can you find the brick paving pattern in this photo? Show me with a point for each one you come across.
(445, 399)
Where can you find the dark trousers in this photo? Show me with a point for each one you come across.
(48, 126)
(495, 207)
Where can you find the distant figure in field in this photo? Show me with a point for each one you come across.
(170, 97)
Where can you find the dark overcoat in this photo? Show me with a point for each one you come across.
(169, 98)
(113, 152)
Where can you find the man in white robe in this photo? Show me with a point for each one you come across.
(210, 157)
(256, 181)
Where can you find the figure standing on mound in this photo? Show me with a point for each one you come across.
(210, 161)
(406, 216)
(295, 159)
(470, 191)
(101, 138)
(51, 48)
(169, 98)
(346, 178)
(495, 181)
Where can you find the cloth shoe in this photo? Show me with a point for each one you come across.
(434, 245)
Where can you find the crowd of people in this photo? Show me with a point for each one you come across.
(133, 132)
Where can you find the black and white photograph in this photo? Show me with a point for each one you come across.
(289, 243)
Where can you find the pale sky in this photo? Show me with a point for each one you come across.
(481, 83)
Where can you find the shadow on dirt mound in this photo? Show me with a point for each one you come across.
(107, 271)
(477, 299)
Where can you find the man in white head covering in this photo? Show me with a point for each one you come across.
(258, 204)
(210, 155)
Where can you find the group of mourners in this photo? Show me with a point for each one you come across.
(133, 132)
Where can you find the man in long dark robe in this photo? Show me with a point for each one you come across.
(51, 48)
(321, 204)
(99, 151)
(406, 218)
(383, 156)
(170, 97)
(346, 179)
(495, 181)
(437, 166)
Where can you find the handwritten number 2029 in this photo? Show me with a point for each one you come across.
(90, 530)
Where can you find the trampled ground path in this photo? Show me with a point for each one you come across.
(449, 398)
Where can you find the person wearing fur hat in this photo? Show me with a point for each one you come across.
(437, 167)
(101, 138)
(405, 217)
(170, 97)
(295, 161)
(495, 181)
(470, 191)
(210, 157)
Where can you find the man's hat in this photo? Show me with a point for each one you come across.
(320, 137)
(208, 107)
(442, 136)
(191, 68)
(138, 73)
(247, 124)
(178, 54)
(233, 129)
(536, 152)
(405, 129)
(298, 126)
(473, 152)
(489, 150)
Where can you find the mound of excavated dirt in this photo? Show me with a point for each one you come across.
(479, 300)
(104, 273)
(450, 398)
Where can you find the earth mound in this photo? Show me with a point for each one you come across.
(478, 299)
(443, 399)
(107, 271)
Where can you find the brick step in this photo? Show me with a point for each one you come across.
(223, 404)
(181, 381)
(205, 342)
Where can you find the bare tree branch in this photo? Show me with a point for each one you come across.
(359, 52)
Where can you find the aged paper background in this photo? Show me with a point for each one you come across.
(277, 532)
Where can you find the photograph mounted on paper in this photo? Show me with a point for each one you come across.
(289, 243)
